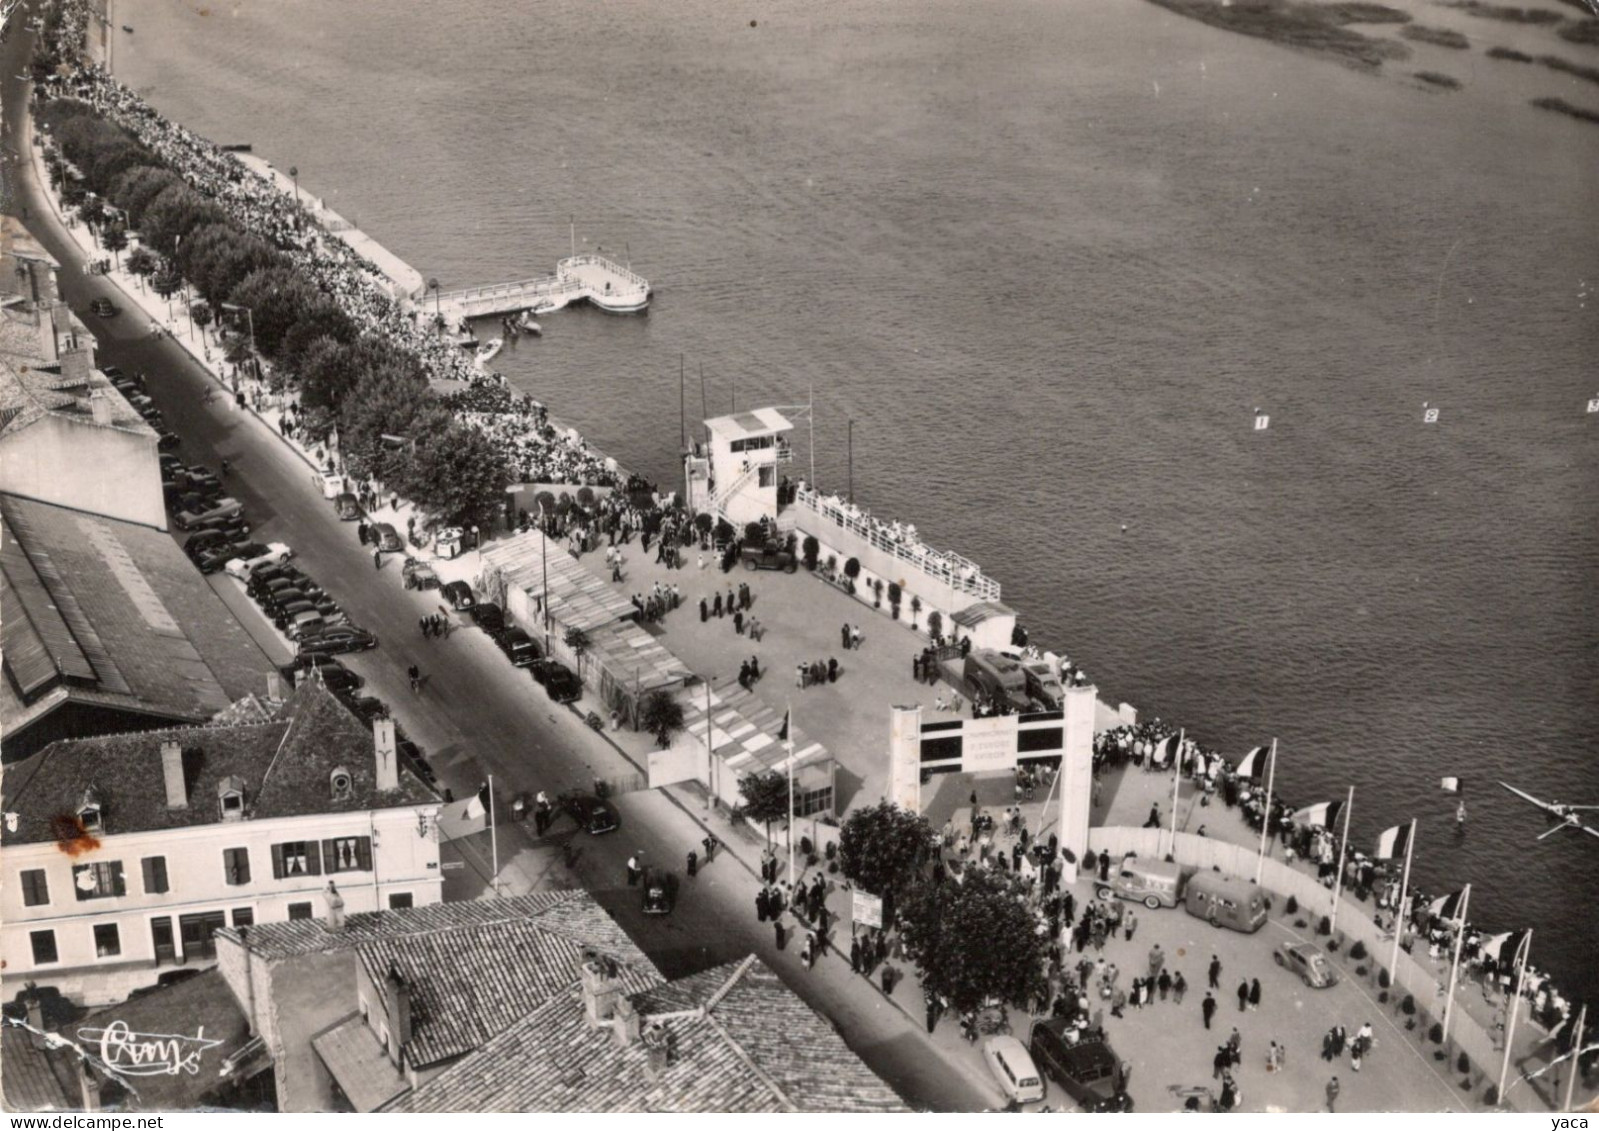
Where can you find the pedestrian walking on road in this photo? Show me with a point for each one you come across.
(1179, 987)
(632, 870)
(709, 844)
(377, 559)
(1332, 1094)
(855, 962)
(693, 863)
(777, 929)
(1215, 972)
(1243, 996)
(1130, 924)
(761, 905)
(1208, 1008)
(1163, 983)
(1254, 993)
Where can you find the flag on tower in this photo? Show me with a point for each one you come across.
(1450, 785)
(1504, 947)
(1253, 767)
(1323, 816)
(1391, 843)
(1447, 907)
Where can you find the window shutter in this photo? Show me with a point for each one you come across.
(313, 858)
(119, 882)
(363, 853)
(155, 874)
(35, 888)
(330, 853)
(277, 861)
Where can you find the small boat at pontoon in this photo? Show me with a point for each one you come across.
(526, 323)
(489, 350)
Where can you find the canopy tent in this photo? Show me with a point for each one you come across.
(630, 664)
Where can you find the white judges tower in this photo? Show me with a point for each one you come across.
(734, 475)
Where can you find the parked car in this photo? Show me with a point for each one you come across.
(1153, 883)
(1014, 1070)
(659, 891)
(998, 677)
(336, 639)
(347, 507)
(1084, 1065)
(340, 679)
(518, 647)
(225, 507)
(170, 466)
(216, 555)
(296, 668)
(166, 441)
(1225, 901)
(459, 595)
(411, 755)
(287, 617)
(103, 308)
(489, 617)
(593, 815)
(200, 479)
(388, 538)
(275, 552)
(111, 372)
(1308, 962)
(1042, 684)
(561, 683)
(770, 556)
(364, 707)
(235, 526)
(261, 580)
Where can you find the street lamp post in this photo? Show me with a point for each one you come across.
(433, 285)
(294, 174)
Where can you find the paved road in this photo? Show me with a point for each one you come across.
(476, 715)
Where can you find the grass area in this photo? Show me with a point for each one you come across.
(1437, 36)
(1357, 12)
(1446, 82)
(1555, 63)
(1506, 14)
(1509, 53)
(1587, 31)
(1561, 106)
(1309, 27)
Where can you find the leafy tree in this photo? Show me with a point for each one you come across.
(662, 715)
(881, 847)
(384, 402)
(459, 474)
(216, 258)
(115, 239)
(812, 547)
(142, 263)
(134, 189)
(754, 533)
(167, 281)
(765, 797)
(852, 568)
(724, 531)
(176, 211)
(974, 941)
(577, 640)
(935, 624)
(202, 314)
(277, 297)
(585, 496)
(703, 523)
(328, 372)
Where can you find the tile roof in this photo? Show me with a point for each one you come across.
(35, 1079)
(738, 1040)
(201, 1006)
(32, 387)
(757, 422)
(744, 730)
(285, 764)
(635, 658)
(100, 605)
(579, 598)
(973, 615)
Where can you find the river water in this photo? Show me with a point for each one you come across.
(1050, 258)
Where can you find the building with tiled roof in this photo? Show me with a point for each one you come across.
(106, 627)
(731, 1039)
(125, 854)
(359, 1010)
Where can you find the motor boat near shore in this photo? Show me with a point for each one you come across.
(489, 350)
(528, 326)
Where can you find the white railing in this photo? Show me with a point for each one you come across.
(600, 261)
(951, 570)
(541, 286)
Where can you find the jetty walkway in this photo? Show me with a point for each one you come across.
(592, 278)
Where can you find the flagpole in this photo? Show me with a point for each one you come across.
(1343, 847)
(1454, 964)
(789, 718)
(1039, 832)
(1265, 824)
(1176, 779)
(494, 839)
(1576, 1056)
(710, 752)
(1404, 888)
(1515, 1007)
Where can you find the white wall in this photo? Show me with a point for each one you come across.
(87, 467)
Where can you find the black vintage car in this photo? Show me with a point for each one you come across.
(459, 595)
(489, 617)
(593, 815)
(770, 556)
(660, 891)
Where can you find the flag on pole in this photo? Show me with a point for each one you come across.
(782, 731)
(1391, 843)
(1449, 785)
(1447, 907)
(1253, 767)
(1165, 749)
(1323, 816)
(1507, 945)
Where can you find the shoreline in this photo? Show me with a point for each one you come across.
(446, 388)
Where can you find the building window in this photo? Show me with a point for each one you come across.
(347, 854)
(296, 858)
(243, 917)
(814, 801)
(232, 805)
(399, 900)
(107, 940)
(35, 888)
(198, 932)
(236, 866)
(299, 911)
(99, 881)
(44, 947)
(155, 875)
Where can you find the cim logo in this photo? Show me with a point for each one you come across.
(148, 1054)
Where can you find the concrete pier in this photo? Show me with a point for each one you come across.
(592, 278)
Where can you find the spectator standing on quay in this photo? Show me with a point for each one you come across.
(1208, 1008)
(1215, 972)
(1332, 1094)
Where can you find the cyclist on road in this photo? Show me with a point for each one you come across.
(416, 677)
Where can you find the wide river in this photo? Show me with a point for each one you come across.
(1050, 257)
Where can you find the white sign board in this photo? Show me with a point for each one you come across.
(989, 744)
(866, 909)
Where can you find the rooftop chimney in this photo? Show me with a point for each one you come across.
(397, 1004)
(88, 1087)
(335, 908)
(172, 772)
(36, 1028)
(626, 1023)
(76, 364)
(100, 407)
(388, 766)
(600, 991)
(275, 687)
(657, 1043)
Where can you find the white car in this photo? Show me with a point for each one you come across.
(1013, 1069)
(242, 568)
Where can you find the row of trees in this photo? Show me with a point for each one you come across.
(346, 377)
